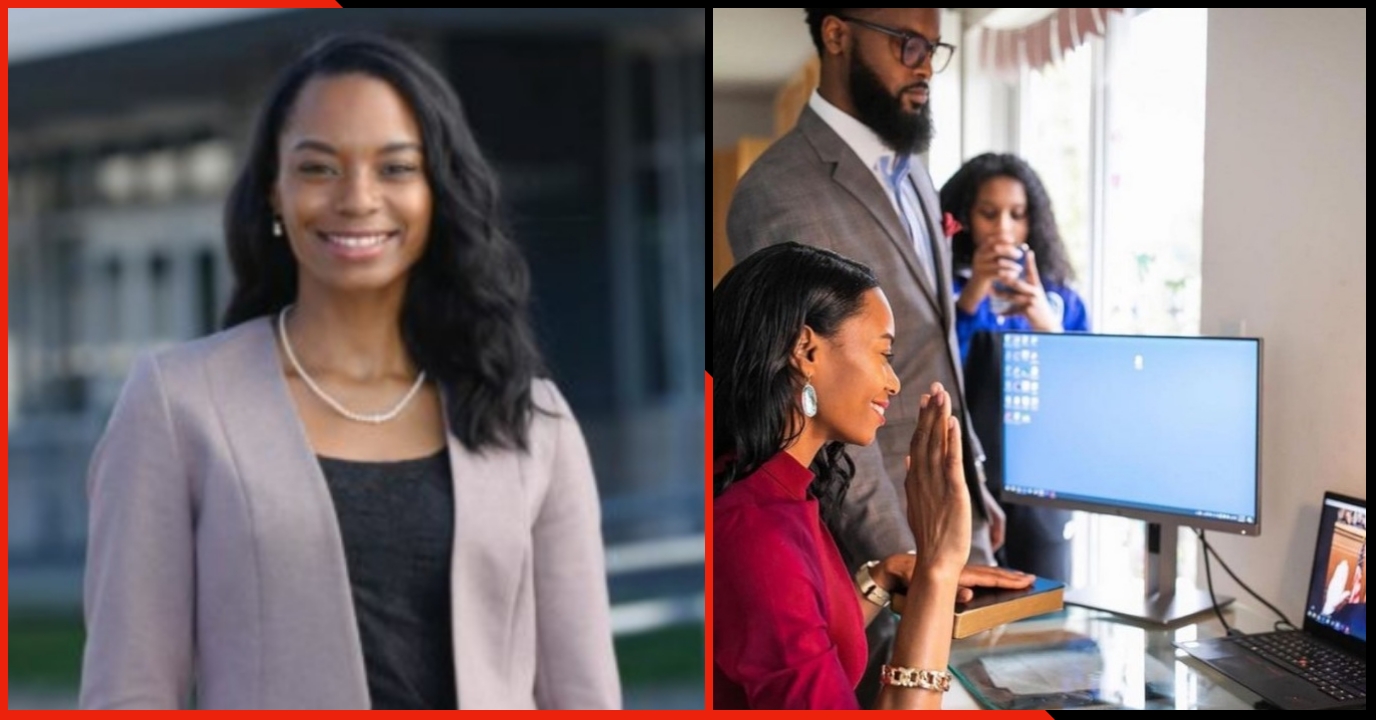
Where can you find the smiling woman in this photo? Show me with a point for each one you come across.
(362, 493)
(800, 367)
(357, 213)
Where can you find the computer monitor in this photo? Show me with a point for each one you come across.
(1162, 429)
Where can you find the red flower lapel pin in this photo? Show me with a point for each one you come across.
(950, 225)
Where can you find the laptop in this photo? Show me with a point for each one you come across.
(1323, 665)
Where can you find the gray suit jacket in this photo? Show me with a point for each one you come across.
(810, 187)
(215, 557)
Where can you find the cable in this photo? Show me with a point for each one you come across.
(1250, 591)
(1209, 550)
(1209, 577)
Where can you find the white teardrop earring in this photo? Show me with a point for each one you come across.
(809, 399)
(276, 227)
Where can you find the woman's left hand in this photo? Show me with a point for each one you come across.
(895, 571)
(1028, 298)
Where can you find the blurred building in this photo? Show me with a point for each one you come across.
(122, 151)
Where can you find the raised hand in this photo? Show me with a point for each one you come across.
(938, 501)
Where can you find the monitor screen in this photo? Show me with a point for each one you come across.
(1165, 429)
(1337, 589)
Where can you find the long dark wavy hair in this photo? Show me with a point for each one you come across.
(465, 317)
(958, 198)
(758, 310)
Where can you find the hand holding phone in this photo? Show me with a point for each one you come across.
(1011, 267)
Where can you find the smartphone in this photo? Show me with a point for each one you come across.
(998, 305)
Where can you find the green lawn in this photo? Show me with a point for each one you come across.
(45, 652)
(669, 656)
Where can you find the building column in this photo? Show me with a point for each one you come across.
(136, 300)
(181, 291)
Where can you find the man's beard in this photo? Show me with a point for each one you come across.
(903, 131)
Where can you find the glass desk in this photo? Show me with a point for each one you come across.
(1094, 660)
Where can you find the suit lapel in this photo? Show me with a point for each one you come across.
(302, 569)
(941, 248)
(852, 175)
(491, 541)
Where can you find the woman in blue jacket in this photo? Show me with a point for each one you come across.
(1011, 268)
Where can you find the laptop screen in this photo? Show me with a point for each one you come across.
(1337, 590)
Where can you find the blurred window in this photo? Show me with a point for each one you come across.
(209, 167)
(1125, 172)
(117, 178)
(160, 175)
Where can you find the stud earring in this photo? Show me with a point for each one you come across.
(276, 227)
(809, 399)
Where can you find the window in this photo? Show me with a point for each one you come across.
(159, 175)
(1116, 131)
(1153, 194)
(1056, 115)
(943, 158)
(209, 167)
(117, 178)
(697, 186)
(668, 166)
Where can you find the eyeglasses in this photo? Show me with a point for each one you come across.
(916, 49)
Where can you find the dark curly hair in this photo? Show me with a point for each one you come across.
(465, 315)
(958, 198)
(758, 310)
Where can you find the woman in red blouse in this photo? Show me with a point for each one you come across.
(801, 347)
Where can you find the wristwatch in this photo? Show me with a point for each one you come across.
(869, 589)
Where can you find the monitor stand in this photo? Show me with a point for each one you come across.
(1166, 601)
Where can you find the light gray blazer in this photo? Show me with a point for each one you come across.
(811, 188)
(215, 558)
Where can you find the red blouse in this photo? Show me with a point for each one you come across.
(787, 630)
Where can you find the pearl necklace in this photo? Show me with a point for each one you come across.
(377, 419)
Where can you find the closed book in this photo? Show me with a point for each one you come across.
(991, 607)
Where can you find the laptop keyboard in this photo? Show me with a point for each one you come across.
(1338, 674)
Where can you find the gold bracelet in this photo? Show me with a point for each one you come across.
(937, 680)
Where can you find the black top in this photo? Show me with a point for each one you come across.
(397, 521)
